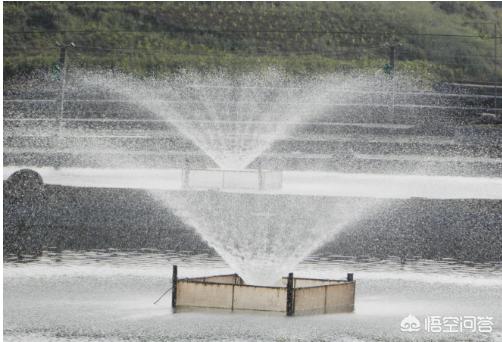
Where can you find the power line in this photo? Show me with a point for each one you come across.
(246, 53)
(206, 31)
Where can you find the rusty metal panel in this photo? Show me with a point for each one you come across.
(260, 298)
(340, 298)
(207, 295)
(310, 300)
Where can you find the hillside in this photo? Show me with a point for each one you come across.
(446, 40)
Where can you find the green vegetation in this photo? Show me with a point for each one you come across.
(449, 40)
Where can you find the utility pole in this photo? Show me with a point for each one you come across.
(62, 75)
(495, 78)
(390, 67)
(392, 60)
(392, 57)
(62, 68)
(390, 70)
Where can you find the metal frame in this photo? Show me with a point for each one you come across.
(290, 289)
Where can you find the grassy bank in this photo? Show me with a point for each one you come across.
(436, 40)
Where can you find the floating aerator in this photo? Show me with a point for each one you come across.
(294, 296)
(231, 179)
